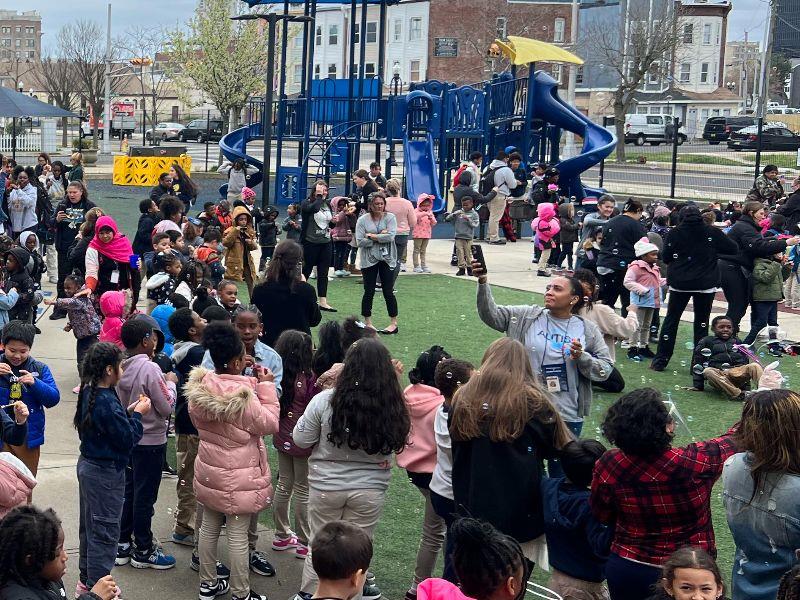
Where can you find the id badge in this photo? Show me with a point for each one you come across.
(555, 377)
(114, 276)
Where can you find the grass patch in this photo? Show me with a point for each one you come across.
(696, 159)
(779, 159)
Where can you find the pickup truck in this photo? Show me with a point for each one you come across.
(120, 125)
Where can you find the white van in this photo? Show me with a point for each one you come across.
(649, 128)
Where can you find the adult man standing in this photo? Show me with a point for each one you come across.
(503, 180)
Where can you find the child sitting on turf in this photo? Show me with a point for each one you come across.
(577, 544)
(83, 319)
(716, 351)
(227, 292)
(36, 266)
(112, 305)
(24, 378)
(426, 221)
(465, 220)
(293, 222)
(142, 377)
(267, 236)
(643, 280)
(341, 553)
(232, 413)
(545, 233)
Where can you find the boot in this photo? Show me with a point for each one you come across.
(355, 270)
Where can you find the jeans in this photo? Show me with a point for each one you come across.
(628, 580)
(102, 490)
(669, 330)
(553, 464)
(236, 527)
(142, 478)
(736, 287)
(446, 509)
(370, 279)
(761, 315)
(611, 288)
(320, 256)
(340, 251)
(292, 481)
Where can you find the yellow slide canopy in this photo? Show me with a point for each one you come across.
(522, 51)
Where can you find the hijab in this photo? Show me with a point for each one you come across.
(119, 249)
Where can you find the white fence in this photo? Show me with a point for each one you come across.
(26, 142)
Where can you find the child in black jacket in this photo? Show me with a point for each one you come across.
(36, 266)
(148, 218)
(16, 261)
(267, 236)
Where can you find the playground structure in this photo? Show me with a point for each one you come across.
(434, 127)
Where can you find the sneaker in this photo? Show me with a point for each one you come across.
(184, 539)
(646, 352)
(280, 544)
(223, 572)
(167, 471)
(312, 276)
(410, 595)
(53, 280)
(370, 591)
(427, 269)
(123, 554)
(260, 565)
(210, 591)
(344, 273)
(775, 351)
(302, 596)
(624, 344)
(402, 267)
(461, 272)
(251, 596)
(418, 270)
(542, 274)
(76, 389)
(301, 551)
(633, 353)
(80, 590)
(152, 559)
(498, 243)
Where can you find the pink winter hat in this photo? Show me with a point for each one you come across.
(248, 193)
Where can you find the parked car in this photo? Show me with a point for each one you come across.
(782, 110)
(197, 129)
(773, 137)
(165, 131)
(719, 129)
(641, 129)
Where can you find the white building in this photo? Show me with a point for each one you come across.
(700, 55)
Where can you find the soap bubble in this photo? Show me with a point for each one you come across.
(513, 319)
(706, 351)
(683, 363)
(290, 414)
(485, 406)
(449, 375)
(689, 346)
(674, 256)
(615, 251)
(697, 369)
(725, 366)
(286, 446)
(463, 317)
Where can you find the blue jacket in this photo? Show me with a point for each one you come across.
(161, 314)
(11, 433)
(42, 394)
(577, 544)
(113, 433)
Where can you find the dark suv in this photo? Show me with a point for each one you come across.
(719, 129)
(197, 129)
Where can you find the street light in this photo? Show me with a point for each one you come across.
(396, 83)
(272, 20)
(731, 85)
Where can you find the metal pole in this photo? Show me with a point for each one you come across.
(766, 55)
(107, 91)
(380, 70)
(144, 105)
(572, 82)
(602, 162)
(676, 122)
(758, 148)
(282, 90)
(208, 133)
(267, 116)
(14, 139)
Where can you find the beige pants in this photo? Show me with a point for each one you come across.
(292, 481)
(791, 291)
(732, 381)
(252, 530)
(497, 206)
(51, 261)
(576, 589)
(641, 337)
(359, 507)
(186, 452)
(464, 253)
(28, 456)
(543, 258)
(420, 247)
(433, 534)
(238, 551)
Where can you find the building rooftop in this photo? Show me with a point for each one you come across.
(26, 15)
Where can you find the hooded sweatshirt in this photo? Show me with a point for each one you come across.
(112, 305)
(426, 221)
(546, 226)
(22, 208)
(36, 264)
(464, 223)
(504, 179)
(140, 375)
(232, 413)
(23, 283)
(419, 455)
(161, 314)
(185, 356)
(16, 483)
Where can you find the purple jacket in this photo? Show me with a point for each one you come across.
(140, 375)
(304, 391)
(82, 316)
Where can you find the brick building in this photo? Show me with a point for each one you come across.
(460, 32)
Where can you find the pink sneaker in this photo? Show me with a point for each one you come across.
(76, 389)
(301, 551)
(280, 544)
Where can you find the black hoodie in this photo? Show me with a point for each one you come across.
(24, 284)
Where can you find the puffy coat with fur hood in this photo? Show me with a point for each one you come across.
(232, 413)
(112, 305)
(16, 483)
(238, 246)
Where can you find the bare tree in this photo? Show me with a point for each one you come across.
(57, 76)
(150, 46)
(640, 45)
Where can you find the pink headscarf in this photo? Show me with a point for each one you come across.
(119, 249)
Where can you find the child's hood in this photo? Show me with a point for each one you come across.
(22, 256)
(23, 238)
(563, 211)
(222, 396)
(241, 210)
(564, 504)
(9, 462)
(161, 314)
(439, 589)
(112, 303)
(546, 211)
(421, 399)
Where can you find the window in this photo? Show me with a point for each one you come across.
(332, 71)
(415, 29)
(397, 30)
(298, 40)
(31, 54)
(716, 33)
(579, 75)
(686, 73)
(29, 30)
(6, 30)
(558, 30)
(7, 42)
(318, 36)
(704, 73)
(369, 69)
(557, 73)
(372, 32)
(688, 33)
(502, 28)
(654, 121)
(654, 73)
(17, 42)
(19, 29)
(356, 33)
(30, 43)
(316, 71)
(413, 70)
(298, 74)
(707, 34)
(333, 35)
(641, 110)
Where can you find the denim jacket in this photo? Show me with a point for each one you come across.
(766, 530)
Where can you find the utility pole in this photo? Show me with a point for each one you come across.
(766, 59)
(569, 147)
(106, 148)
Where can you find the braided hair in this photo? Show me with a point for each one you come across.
(93, 368)
(28, 541)
(484, 558)
(789, 587)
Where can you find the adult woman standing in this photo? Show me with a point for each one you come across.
(22, 206)
(566, 351)
(616, 253)
(315, 235)
(56, 185)
(284, 299)
(760, 490)
(182, 186)
(77, 252)
(75, 170)
(353, 428)
(41, 162)
(403, 212)
(375, 233)
(767, 188)
(502, 427)
(657, 498)
(736, 267)
(692, 250)
(108, 261)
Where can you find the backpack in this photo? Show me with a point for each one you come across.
(487, 181)
(457, 176)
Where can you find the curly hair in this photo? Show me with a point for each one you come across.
(295, 349)
(223, 343)
(28, 541)
(329, 347)
(789, 586)
(92, 369)
(637, 423)
(425, 370)
(368, 411)
(451, 374)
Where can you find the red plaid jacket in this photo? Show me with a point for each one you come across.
(660, 505)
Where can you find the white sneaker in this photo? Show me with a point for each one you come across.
(418, 270)
(402, 267)
(426, 269)
(625, 344)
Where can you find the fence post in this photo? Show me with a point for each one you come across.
(675, 128)
(208, 134)
(758, 148)
(602, 162)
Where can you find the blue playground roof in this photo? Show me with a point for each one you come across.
(253, 3)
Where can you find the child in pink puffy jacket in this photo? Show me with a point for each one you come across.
(643, 280)
(112, 305)
(426, 221)
(232, 479)
(545, 233)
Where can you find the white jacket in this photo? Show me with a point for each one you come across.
(22, 208)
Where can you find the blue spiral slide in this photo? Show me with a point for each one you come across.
(234, 146)
(421, 173)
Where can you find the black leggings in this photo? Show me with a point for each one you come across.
(701, 307)
(370, 279)
(736, 287)
(320, 256)
(611, 288)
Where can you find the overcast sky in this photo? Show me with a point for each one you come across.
(747, 15)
